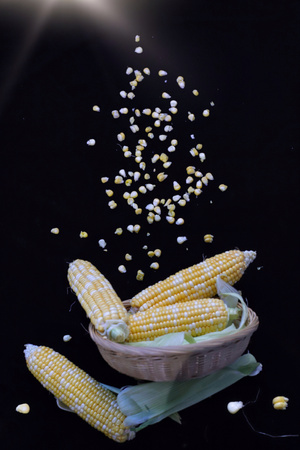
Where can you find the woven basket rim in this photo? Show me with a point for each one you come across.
(177, 350)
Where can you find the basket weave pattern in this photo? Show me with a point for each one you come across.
(181, 362)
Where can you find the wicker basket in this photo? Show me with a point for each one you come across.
(176, 362)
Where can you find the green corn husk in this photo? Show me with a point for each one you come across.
(149, 403)
(231, 297)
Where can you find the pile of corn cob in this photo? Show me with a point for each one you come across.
(183, 302)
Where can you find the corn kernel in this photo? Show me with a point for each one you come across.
(162, 137)
(137, 38)
(171, 148)
(209, 176)
(165, 95)
(136, 228)
(182, 202)
(128, 182)
(23, 408)
(162, 73)
(234, 407)
(147, 112)
(96, 108)
(83, 234)
(190, 170)
(179, 221)
(155, 158)
(121, 137)
(223, 187)
(208, 238)
(206, 113)
(118, 179)
(161, 176)
(109, 192)
(102, 243)
(189, 180)
(123, 94)
(170, 219)
(139, 50)
(174, 142)
(173, 110)
(140, 275)
(146, 70)
(119, 231)
(128, 257)
(150, 253)
(194, 151)
(124, 111)
(198, 174)
(129, 70)
(150, 186)
(67, 338)
(104, 179)
(130, 95)
(91, 142)
(195, 92)
(199, 146)
(54, 230)
(202, 157)
(280, 402)
(157, 123)
(176, 186)
(154, 265)
(112, 204)
(163, 157)
(191, 116)
(122, 269)
(138, 211)
(181, 239)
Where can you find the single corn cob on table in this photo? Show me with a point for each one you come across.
(76, 389)
(99, 300)
(197, 281)
(196, 317)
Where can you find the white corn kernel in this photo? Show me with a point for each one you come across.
(112, 204)
(102, 243)
(157, 123)
(142, 189)
(190, 170)
(121, 137)
(124, 111)
(147, 112)
(173, 110)
(91, 142)
(155, 158)
(168, 128)
(206, 113)
(150, 135)
(130, 95)
(54, 230)
(165, 95)
(181, 239)
(119, 231)
(189, 180)
(150, 186)
(182, 202)
(162, 137)
(198, 174)
(146, 70)
(194, 152)
(223, 187)
(162, 73)
(137, 38)
(167, 164)
(176, 186)
(170, 219)
(179, 221)
(174, 142)
(139, 50)
(191, 116)
(202, 157)
(171, 148)
(23, 408)
(118, 179)
(234, 407)
(173, 103)
(96, 108)
(123, 94)
(122, 269)
(127, 154)
(199, 146)
(157, 252)
(154, 265)
(129, 70)
(128, 257)
(209, 176)
(67, 338)
(136, 228)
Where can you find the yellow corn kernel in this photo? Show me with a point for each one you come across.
(206, 113)
(154, 265)
(98, 298)
(223, 187)
(119, 231)
(83, 234)
(89, 399)
(198, 281)
(140, 275)
(109, 192)
(208, 238)
(161, 176)
(195, 92)
(280, 402)
(196, 317)
(54, 230)
(176, 186)
(112, 204)
(190, 170)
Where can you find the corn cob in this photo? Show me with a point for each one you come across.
(196, 317)
(80, 392)
(198, 281)
(99, 300)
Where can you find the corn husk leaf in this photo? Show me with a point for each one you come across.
(149, 403)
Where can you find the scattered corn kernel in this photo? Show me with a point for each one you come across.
(180, 82)
(121, 137)
(162, 137)
(119, 231)
(54, 230)
(173, 110)
(170, 219)
(182, 202)
(195, 92)
(109, 192)
(83, 234)
(162, 176)
(181, 239)
(129, 70)
(234, 407)
(122, 269)
(208, 238)
(162, 73)
(96, 108)
(189, 180)
(171, 148)
(191, 116)
(138, 211)
(174, 142)
(130, 95)
(223, 187)
(146, 70)
(136, 228)
(199, 146)
(23, 408)
(150, 253)
(139, 50)
(176, 186)
(102, 243)
(128, 257)
(112, 204)
(154, 265)
(140, 275)
(104, 179)
(194, 151)
(167, 164)
(202, 157)
(206, 113)
(123, 94)
(179, 221)
(67, 338)
(190, 170)
(91, 142)
(209, 176)
(165, 95)
(280, 402)
(137, 38)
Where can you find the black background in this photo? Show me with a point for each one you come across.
(240, 55)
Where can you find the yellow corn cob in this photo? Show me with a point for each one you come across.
(99, 300)
(80, 392)
(198, 281)
(196, 317)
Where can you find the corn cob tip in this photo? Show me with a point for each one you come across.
(250, 256)
(29, 349)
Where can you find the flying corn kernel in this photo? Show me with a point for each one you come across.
(280, 402)
(234, 407)
(54, 230)
(96, 108)
(83, 234)
(223, 187)
(139, 50)
(102, 243)
(67, 338)
(23, 408)
(91, 142)
(122, 269)
(140, 275)
(208, 238)
(206, 113)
